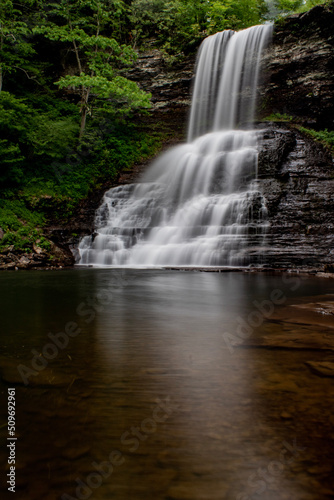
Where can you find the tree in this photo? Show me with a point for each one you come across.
(86, 26)
(289, 5)
(16, 49)
(228, 14)
(179, 25)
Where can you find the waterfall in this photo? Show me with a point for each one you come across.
(199, 204)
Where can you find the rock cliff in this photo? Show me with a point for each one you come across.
(297, 179)
(300, 68)
(296, 173)
(168, 83)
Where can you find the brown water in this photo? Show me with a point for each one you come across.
(153, 384)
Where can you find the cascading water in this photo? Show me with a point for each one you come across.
(199, 204)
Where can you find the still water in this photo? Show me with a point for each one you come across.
(147, 395)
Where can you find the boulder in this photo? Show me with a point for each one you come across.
(37, 249)
(24, 260)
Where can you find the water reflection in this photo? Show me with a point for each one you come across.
(151, 338)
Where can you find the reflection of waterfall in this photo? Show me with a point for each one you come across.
(199, 203)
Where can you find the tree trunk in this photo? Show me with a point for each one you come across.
(84, 110)
(83, 122)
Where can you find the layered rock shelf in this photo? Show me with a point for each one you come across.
(169, 84)
(296, 176)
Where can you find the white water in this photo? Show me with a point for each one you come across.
(199, 204)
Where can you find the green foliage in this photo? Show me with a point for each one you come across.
(52, 138)
(235, 15)
(31, 138)
(100, 157)
(289, 5)
(279, 117)
(309, 4)
(284, 7)
(179, 25)
(24, 238)
(14, 125)
(13, 212)
(16, 51)
(56, 191)
(21, 226)
(122, 95)
(152, 18)
(326, 137)
(85, 27)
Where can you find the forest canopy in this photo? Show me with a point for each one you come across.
(63, 69)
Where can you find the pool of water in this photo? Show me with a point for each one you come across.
(137, 384)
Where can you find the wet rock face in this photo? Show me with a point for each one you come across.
(297, 180)
(168, 84)
(300, 68)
